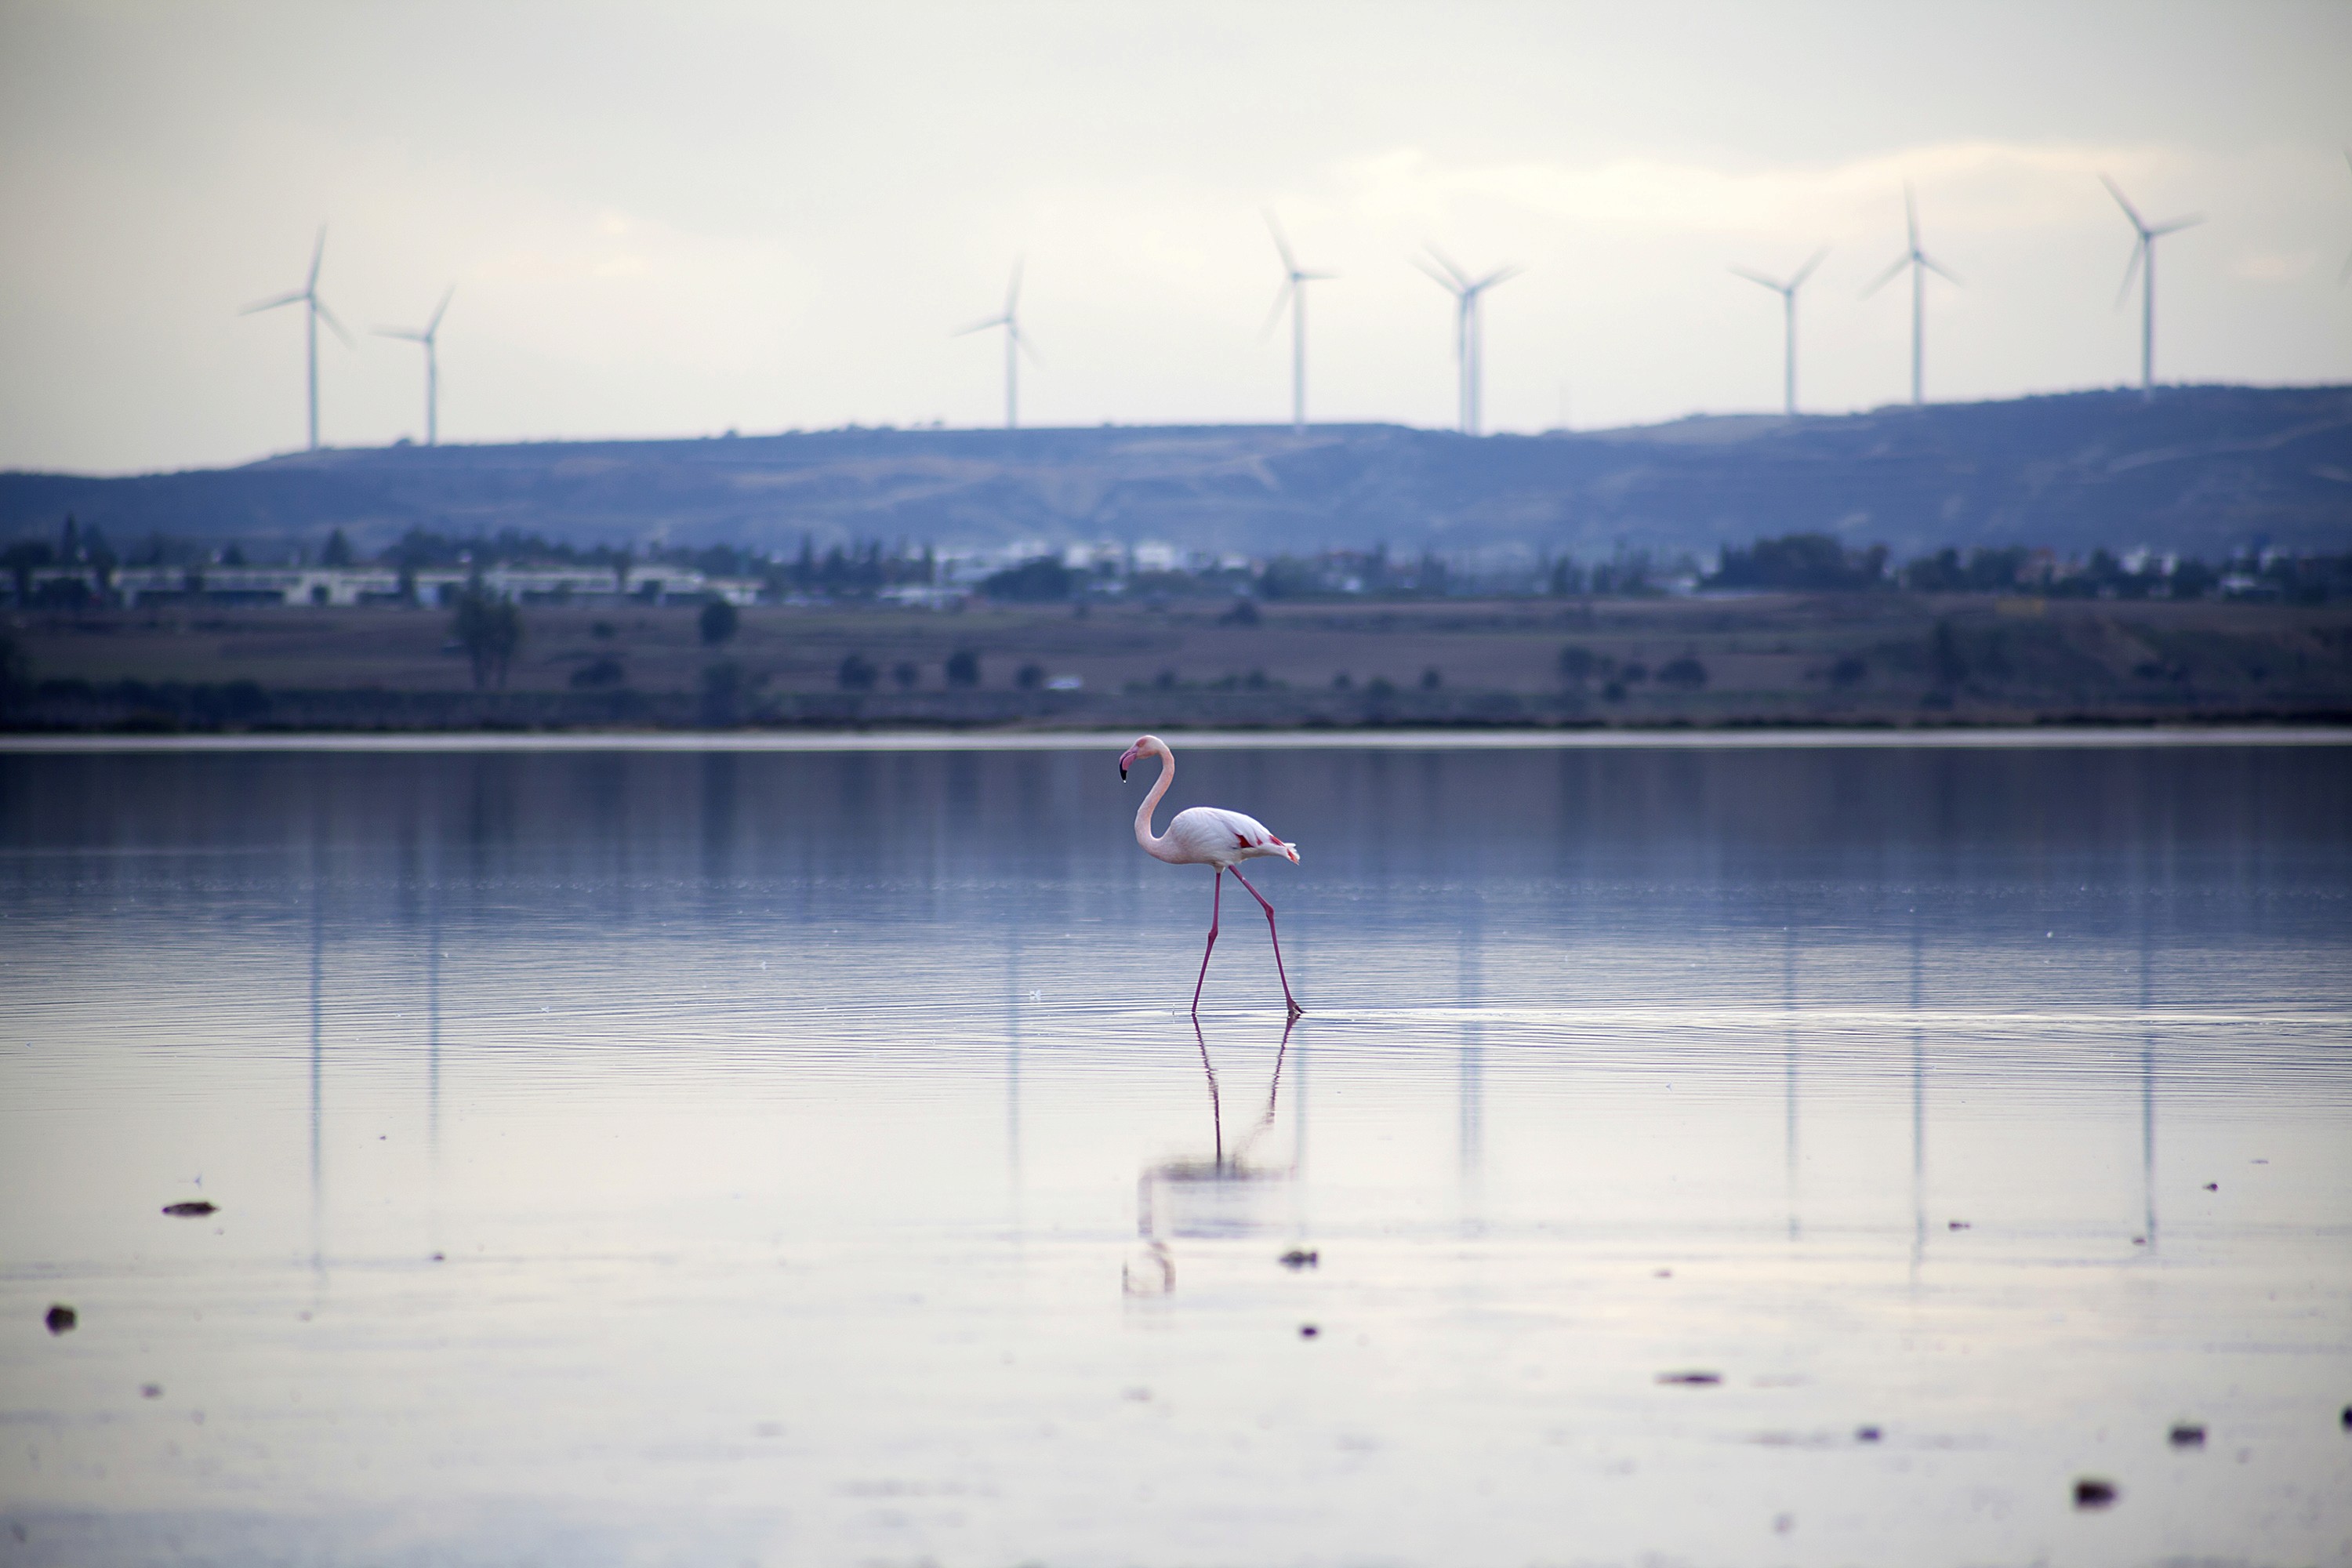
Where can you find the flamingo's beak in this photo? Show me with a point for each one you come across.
(1124, 758)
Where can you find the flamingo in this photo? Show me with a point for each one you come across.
(1208, 835)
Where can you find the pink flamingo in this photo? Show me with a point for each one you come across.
(1208, 835)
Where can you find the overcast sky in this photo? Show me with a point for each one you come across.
(675, 220)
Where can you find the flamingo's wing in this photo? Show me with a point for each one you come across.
(1231, 834)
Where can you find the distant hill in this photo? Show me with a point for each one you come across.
(2198, 470)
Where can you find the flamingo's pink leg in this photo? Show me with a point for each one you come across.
(1216, 897)
(1295, 1008)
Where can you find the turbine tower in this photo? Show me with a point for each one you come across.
(1920, 265)
(1469, 338)
(432, 365)
(1294, 295)
(1787, 292)
(307, 296)
(1014, 345)
(2143, 261)
(2346, 273)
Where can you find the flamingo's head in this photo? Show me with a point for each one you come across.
(1143, 747)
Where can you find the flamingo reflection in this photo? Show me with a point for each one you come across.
(1221, 1196)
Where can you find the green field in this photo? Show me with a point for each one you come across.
(1852, 659)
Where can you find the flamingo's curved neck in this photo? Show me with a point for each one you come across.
(1155, 844)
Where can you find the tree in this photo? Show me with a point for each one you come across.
(857, 673)
(490, 629)
(338, 550)
(963, 668)
(1578, 663)
(1686, 672)
(20, 559)
(1038, 580)
(1951, 668)
(718, 622)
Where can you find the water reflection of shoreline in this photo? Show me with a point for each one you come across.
(1224, 1196)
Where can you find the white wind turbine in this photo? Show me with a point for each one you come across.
(432, 364)
(1292, 294)
(1014, 345)
(308, 295)
(2347, 273)
(1469, 338)
(1787, 292)
(1920, 265)
(2143, 261)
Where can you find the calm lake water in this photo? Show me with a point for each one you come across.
(751, 1157)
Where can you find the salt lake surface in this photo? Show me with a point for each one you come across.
(723, 1156)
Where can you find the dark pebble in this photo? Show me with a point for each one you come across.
(1956, 1225)
(2188, 1434)
(436, 1257)
(2212, 1186)
(2140, 1241)
(2092, 1492)
(1665, 1274)
(1301, 1258)
(1865, 1433)
(193, 1208)
(62, 1317)
(1692, 1379)
(1308, 1331)
(2348, 1418)
(151, 1391)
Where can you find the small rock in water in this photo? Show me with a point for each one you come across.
(2090, 1491)
(62, 1317)
(1783, 1523)
(1301, 1258)
(2188, 1434)
(1692, 1379)
(1665, 1274)
(191, 1209)
(437, 1258)
(1308, 1331)
(1956, 1225)
(2212, 1186)
(1865, 1433)
(151, 1391)
(2140, 1241)
(2348, 1418)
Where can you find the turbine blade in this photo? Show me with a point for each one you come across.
(318, 254)
(402, 333)
(1452, 286)
(1461, 278)
(1807, 270)
(2174, 226)
(1315, 276)
(1027, 347)
(1281, 246)
(1500, 275)
(1932, 264)
(2130, 211)
(1776, 287)
(1012, 290)
(1910, 215)
(296, 298)
(1281, 300)
(1889, 276)
(434, 325)
(329, 317)
(2139, 253)
(981, 326)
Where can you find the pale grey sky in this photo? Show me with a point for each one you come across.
(676, 220)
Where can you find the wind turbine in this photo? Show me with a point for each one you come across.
(308, 295)
(1920, 265)
(1014, 345)
(2347, 272)
(432, 365)
(1787, 292)
(2143, 261)
(1294, 295)
(1469, 339)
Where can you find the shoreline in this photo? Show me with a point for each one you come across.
(1742, 737)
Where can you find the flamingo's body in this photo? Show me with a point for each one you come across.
(1208, 835)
